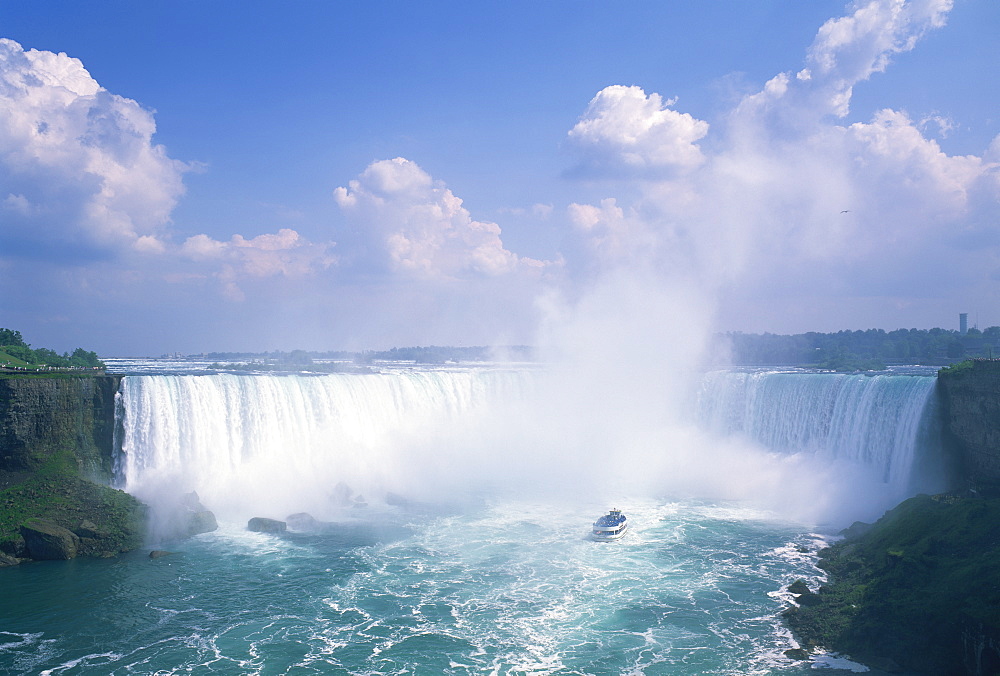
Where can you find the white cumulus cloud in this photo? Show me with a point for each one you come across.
(624, 130)
(285, 253)
(419, 228)
(793, 205)
(82, 157)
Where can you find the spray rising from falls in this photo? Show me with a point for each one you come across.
(273, 445)
(886, 424)
(257, 443)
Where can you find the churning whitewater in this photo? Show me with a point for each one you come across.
(444, 541)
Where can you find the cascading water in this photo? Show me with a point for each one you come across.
(882, 423)
(278, 444)
(505, 585)
(284, 442)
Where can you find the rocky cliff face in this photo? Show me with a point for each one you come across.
(916, 589)
(970, 395)
(41, 418)
(56, 452)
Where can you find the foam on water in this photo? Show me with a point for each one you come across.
(512, 588)
(817, 447)
(507, 583)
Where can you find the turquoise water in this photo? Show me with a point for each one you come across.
(509, 588)
(488, 570)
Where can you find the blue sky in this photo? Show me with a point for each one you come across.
(253, 176)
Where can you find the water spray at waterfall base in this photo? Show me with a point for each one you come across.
(814, 448)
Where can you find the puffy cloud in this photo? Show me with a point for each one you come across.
(847, 50)
(285, 253)
(79, 160)
(625, 131)
(86, 182)
(792, 205)
(863, 43)
(615, 235)
(420, 228)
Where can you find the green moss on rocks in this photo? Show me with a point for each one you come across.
(56, 439)
(108, 521)
(920, 588)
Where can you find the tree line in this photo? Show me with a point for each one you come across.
(12, 345)
(865, 349)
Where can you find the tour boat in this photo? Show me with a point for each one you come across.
(611, 526)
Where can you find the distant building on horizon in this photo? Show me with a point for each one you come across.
(963, 322)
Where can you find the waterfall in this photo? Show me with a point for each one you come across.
(816, 445)
(250, 441)
(884, 423)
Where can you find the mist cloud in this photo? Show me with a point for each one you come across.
(791, 203)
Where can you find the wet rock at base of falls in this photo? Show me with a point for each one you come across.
(46, 540)
(192, 502)
(302, 521)
(259, 524)
(159, 553)
(342, 494)
(396, 500)
(14, 547)
(7, 560)
(202, 521)
(88, 529)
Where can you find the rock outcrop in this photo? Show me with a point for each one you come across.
(917, 590)
(43, 417)
(302, 521)
(202, 521)
(198, 519)
(259, 524)
(45, 540)
(970, 398)
(56, 450)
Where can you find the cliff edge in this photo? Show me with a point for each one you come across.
(916, 591)
(919, 590)
(56, 452)
(970, 398)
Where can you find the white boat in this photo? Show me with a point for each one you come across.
(611, 526)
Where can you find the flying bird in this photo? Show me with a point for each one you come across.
(846, 211)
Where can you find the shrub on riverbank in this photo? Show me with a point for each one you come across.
(107, 521)
(919, 588)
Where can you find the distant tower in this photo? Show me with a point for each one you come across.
(963, 323)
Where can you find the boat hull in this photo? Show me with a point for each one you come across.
(611, 526)
(608, 537)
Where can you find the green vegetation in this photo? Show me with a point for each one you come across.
(917, 588)
(863, 350)
(56, 492)
(17, 355)
(848, 362)
(957, 369)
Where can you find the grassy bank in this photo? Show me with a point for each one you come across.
(56, 492)
(920, 589)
